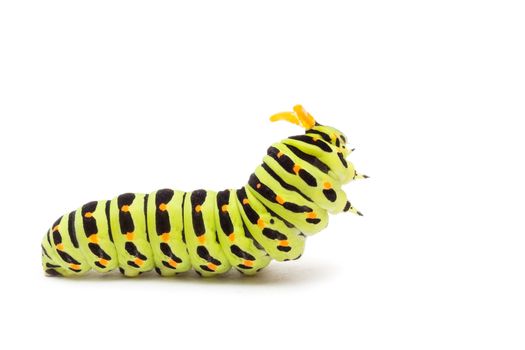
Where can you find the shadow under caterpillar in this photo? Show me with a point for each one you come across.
(287, 198)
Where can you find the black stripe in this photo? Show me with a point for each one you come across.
(235, 249)
(309, 140)
(71, 229)
(309, 158)
(108, 203)
(284, 184)
(323, 135)
(342, 159)
(182, 211)
(45, 252)
(146, 215)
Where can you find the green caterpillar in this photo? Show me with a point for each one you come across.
(287, 198)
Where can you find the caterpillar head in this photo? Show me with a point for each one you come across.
(328, 134)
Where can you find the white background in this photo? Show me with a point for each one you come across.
(103, 97)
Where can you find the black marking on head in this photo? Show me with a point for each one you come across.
(347, 206)
(323, 135)
(330, 194)
(309, 140)
(273, 234)
(157, 270)
(313, 221)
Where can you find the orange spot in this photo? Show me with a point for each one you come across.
(172, 263)
(296, 169)
(138, 261)
(327, 185)
(260, 223)
(125, 208)
(202, 239)
(311, 215)
(283, 243)
(245, 201)
(55, 228)
(212, 266)
(88, 214)
(60, 246)
(258, 185)
(103, 262)
(231, 236)
(279, 199)
(224, 208)
(165, 237)
(247, 263)
(315, 138)
(163, 207)
(130, 236)
(93, 238)
(279, 155)
(198, 208)
(74, 266)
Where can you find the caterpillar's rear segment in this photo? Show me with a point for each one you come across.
(287, 198)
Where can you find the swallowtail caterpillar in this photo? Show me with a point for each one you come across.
(287, 198)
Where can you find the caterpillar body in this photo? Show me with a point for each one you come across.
(287, 198)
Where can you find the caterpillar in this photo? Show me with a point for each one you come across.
(287, 198)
